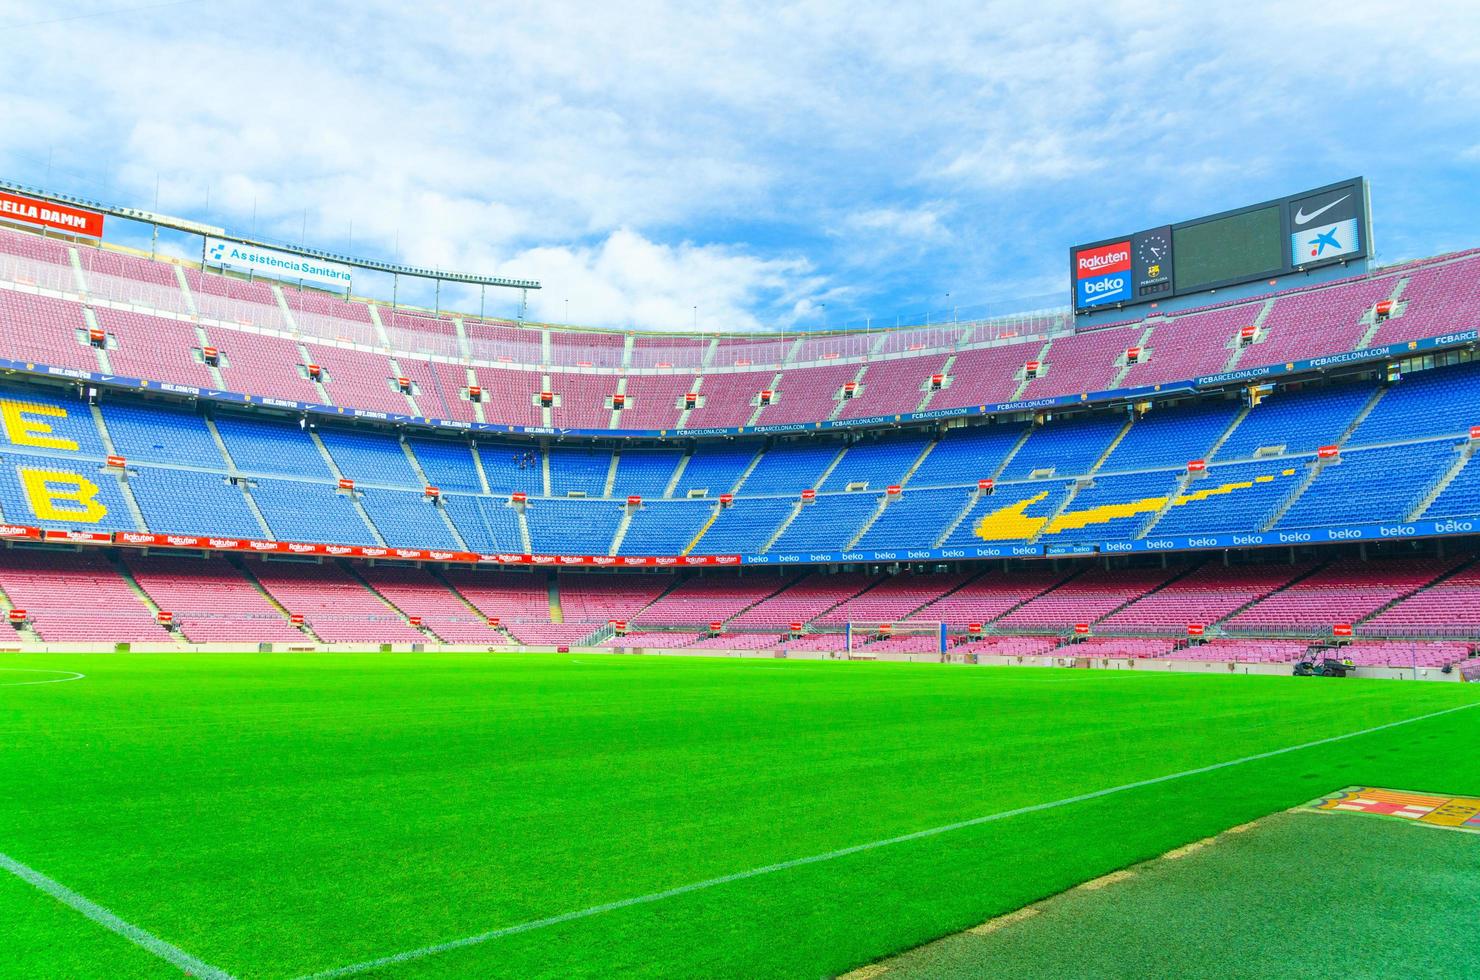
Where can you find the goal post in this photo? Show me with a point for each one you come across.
(913, 636)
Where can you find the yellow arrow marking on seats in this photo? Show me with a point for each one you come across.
(1011, 524)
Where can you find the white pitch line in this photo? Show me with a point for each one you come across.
(103, 917)
(483, 937)
(41, 670)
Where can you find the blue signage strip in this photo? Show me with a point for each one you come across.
(1388, 352)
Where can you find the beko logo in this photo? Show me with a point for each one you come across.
(1110, 284)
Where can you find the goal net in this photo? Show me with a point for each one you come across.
(869, 637)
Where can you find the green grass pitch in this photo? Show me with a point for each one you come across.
(279, 816)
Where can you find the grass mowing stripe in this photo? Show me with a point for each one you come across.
(426, 951)
(108, 920)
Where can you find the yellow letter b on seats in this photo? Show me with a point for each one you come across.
(62, 497)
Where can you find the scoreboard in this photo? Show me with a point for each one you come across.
(1301, 231)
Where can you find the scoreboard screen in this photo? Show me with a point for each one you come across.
(1302, 231)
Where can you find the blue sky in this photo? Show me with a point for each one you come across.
(773, 166)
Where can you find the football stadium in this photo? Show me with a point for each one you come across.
(355, 629)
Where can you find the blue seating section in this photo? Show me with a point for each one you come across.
(1069, 448)
(572, 527)
(879, 463)
(407, 519)
(964, 456)
(579, 468)
(1459, 498)
(915, 519)
(828, 523)
(665, 527)
(174, 500)
(1301, 422)
(1171, 434)
(299, 511)
(1387, 466)
(644, 472)
(715, 468)
(372, 458)
(449, 465)
(512, 468)
(798, 467)
(1371, 485)
(148, 434)
(259, 446)
(743, 528)
(1445, 401)
(488, 525)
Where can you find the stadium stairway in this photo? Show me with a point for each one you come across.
(24, 631)
(1313, 569)
(1462, 459)
(246, 569)
(353, 570)
(1448, 574)
(552, 589)
(133, 584)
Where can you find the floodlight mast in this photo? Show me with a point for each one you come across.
(158, 221)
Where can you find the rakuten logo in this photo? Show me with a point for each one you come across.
(1106, 258)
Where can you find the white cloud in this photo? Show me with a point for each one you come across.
(865, 153)
(630, 281)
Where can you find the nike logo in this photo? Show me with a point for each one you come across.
(1302, 218)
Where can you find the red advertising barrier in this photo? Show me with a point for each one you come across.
(1196, 465)
(1133, 354)
(1195, 629)
(1475, 433)
(795, 627)
(17, 615)
(164, 618)
(893, 490)
(619, 400)
(975, 629)
(345, 483)
(432, 491)
(809, 494)
(19, 531)
(937, 380)
(1384, 308)
(1342, 629)
(45, 214)
(1033, 366)
(726, 499)
(518, 497)
(296, 619)
(1247, 333)
(1328, 452)
(404, 384)
(985, 484)
(1081, 629)
(475, 392)
(79, 537)
(414, 620)
(494, 621)
(634, 501)
(117, 462)
(715, 626)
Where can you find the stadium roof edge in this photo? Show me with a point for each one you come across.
(198, 228)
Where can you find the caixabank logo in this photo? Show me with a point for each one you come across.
(1103, 274)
